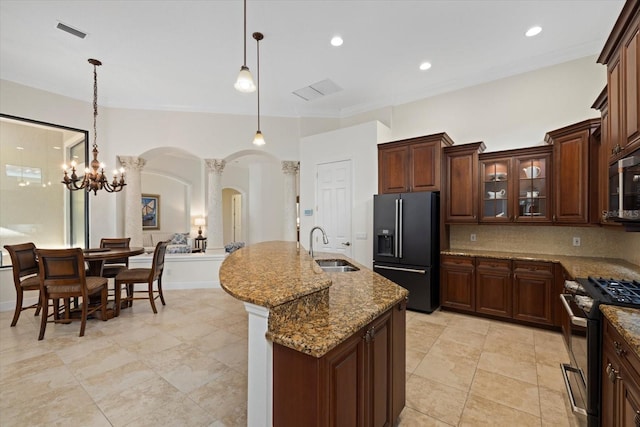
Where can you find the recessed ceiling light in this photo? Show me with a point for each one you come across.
(425, 66)
(336, 41)
(533, 31)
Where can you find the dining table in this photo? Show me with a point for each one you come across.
(95, 257)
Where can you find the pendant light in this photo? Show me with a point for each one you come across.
(259, 139)
(94, 179)
(244, 82)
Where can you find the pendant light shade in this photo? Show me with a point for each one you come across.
(244, 82)
(258, 139)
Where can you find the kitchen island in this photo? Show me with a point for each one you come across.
(307, 325)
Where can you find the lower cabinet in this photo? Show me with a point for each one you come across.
(494, 288)
(532, 291)
(457, 282)
(361, 382)
(516, 290)
(620, 380)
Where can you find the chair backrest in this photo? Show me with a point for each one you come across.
(23, 260)
(116, 242)
(158, 259)
(62, 270)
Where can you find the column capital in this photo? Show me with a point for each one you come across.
(215, 165)
(132, 162)
(290, 166)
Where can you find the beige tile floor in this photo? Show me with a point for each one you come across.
(187, 366)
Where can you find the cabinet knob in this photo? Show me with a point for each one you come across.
(554, 218)
(619, 350)
(612, 373)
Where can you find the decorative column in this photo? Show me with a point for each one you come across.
(214, 203)
(290, 170)
(132, 194)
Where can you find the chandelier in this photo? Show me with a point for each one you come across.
(94, 179)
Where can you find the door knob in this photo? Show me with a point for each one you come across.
(347, 243)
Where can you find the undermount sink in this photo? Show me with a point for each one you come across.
(336, 265)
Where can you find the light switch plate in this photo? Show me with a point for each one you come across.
(474, 237)
(576, 241)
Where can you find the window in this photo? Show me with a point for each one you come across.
(35, 206)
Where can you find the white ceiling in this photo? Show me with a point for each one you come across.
(185, 55)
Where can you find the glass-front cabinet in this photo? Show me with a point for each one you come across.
(495, 191)
(515, 186)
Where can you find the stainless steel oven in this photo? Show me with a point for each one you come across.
(575, 373)
(582, 329)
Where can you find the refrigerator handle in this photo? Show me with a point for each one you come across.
(400, 231)
(395, 237)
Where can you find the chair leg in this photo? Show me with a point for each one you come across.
(83, 321)
(103, 297)
(39, 307)
(43, 319)
(151, 299)
(160, 290)
(130, 294)
(16, 314)
(118, 296)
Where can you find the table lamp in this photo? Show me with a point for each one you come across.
(200, 222)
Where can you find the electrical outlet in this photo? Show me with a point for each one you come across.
(576, 241)
(474, 237)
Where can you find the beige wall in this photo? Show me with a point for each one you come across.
(594, 241)
(514, 112)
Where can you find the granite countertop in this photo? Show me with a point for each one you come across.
(627, 323)
(576, 266)
(310, 310)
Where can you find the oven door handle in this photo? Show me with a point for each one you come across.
(575, 320)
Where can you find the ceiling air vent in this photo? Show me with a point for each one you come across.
(317, 90)
(71, 30)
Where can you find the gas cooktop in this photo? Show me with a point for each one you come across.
(611, 291)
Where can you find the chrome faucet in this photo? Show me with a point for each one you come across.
(325, 240)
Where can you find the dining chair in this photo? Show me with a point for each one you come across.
(25, 275)
(132, 276)
(114, 266)
(62, 276)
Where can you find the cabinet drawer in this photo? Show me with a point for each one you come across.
(493, 264)
(457, 261)
(617, 343)
(533, 267)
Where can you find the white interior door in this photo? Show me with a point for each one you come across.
(333, 210)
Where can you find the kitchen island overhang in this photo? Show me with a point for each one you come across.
(291, 301)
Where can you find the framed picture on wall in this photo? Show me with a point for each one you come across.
(150, 212)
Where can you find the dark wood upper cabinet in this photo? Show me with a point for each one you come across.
(411, 164)
(576, 167)
(621, 55)
(460, 183)
(515, 186)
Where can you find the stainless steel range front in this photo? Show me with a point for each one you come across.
(583, 334)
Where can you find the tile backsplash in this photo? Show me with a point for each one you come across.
(594, 241)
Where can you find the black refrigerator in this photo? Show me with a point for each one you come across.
(406, 245)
